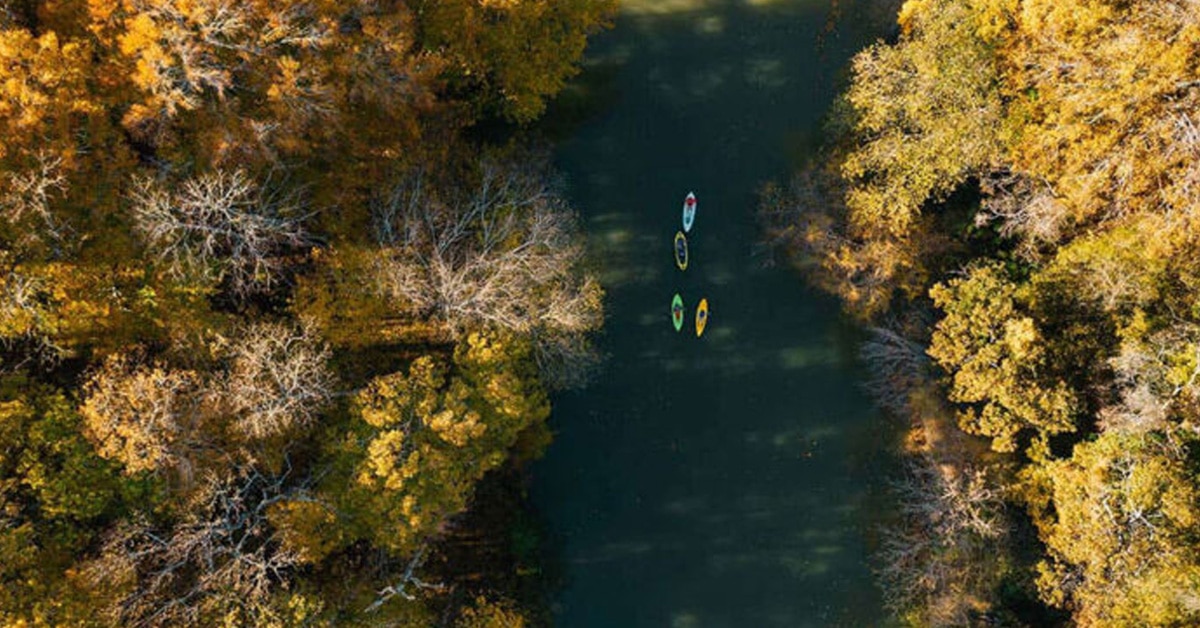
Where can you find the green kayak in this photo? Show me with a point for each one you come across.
(677, 312)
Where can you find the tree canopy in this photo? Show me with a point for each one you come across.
(1010, 189)
(255, 359)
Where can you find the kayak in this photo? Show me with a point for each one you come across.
(677, 312)
(701, 317)
(681, 250)
(689, 211)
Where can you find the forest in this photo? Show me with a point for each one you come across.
(276, 318)
(1009, 200)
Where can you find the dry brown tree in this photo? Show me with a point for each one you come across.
(896, 366)
(219, 226)
(26, 200)
(936, 559)
(501, 252)
(278, 378)
(223, 560)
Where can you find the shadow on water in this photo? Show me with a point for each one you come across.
(719, 481)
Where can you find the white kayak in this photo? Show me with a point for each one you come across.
(689, 211)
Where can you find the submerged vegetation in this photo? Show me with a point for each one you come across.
(269, 316)
(1010, 198)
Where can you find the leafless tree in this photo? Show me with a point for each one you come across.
(407, 581)
(223, 559)
(936, 557)
(566, 360)
(896, 365)
(504, 252)
(27, 196)
(1149, 396)
(219, 225)
(278, 378)
(1026, 208)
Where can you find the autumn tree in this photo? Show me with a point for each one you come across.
(937, 561)
(1119, 518)
(926, 113)
(145, 416)
(512, 54)
(502, 252)
(996, 358)
(55, 492)
(1107, 95)
(430, 433)
(219, 226)
(223, 561)
(485, 613)
(278, 379)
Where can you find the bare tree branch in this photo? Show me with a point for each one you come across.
(502, 253)
(278, 378)
(219, 225)
(223, 557)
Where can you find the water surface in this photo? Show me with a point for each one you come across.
(719, 481)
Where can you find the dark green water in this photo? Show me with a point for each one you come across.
(726, 480)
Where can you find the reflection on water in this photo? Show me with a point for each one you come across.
(714, 481)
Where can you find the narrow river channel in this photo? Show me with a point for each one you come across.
(723, 481)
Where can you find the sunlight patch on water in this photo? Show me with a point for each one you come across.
(685, 506)
(711, 25)
(704, 84)
(763, 3)
(616, 551)
(685, 619)
(667, 7)
(720, 275)
(804, 567)
(662, 7)
(792, 358)
(766, 73)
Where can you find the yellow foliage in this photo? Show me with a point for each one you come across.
(308, 529)
(997, 361)
(1117, 518)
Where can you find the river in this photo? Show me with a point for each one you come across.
(725, 480)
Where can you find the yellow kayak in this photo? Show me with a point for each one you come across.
(701, 317)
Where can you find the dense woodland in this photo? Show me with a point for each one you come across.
(1011, 200)
(271, 311)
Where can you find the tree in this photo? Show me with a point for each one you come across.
(420, 440)
(925, 114)
(28, 321)
(1106, 95)
(938, 561)
(223, 561)
(502, 253)
(278, 379)
(219, 226)
(511, 55)
(183, 51)
(26, 201)
(1118, 518)
(146, 417)
(485, 613)
(55, 493)
(44, 93)
(997, 358)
